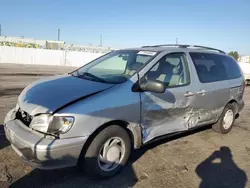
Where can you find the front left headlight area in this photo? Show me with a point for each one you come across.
(47, 123)
(61, 124)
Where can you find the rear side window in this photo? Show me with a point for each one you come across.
(215, 67)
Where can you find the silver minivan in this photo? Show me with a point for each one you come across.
(96, 115)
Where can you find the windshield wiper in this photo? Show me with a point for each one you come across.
(92, 76)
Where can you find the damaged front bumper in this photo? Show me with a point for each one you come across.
(38, 150)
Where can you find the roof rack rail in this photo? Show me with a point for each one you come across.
(185, 46)
(168, 45)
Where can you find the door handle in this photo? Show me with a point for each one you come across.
(188, 94)
(201, 92)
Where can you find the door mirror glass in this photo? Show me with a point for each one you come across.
(153, 86)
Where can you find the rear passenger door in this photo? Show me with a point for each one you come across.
(216, 74)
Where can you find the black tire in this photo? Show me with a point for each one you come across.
(89, 161)
(218, 126)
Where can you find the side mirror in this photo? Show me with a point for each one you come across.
(153, 86)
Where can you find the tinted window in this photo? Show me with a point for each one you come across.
(215, 67)
(172, 69)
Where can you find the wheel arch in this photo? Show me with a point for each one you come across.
(134, 131)
(235, 103)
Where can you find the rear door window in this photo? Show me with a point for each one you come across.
(215, 67)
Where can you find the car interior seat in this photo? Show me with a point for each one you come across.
(165, 71)
(175, 78)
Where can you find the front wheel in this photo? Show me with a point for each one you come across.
(226, 121)
(108, 152)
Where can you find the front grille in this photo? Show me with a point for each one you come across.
(24, 117)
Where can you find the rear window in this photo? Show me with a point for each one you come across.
(215, 67)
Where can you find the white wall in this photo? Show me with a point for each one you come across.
(45, 57)
(79, 58)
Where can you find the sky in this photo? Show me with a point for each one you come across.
(223, 24)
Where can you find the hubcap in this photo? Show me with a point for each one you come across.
(111, 154)
(228, 119)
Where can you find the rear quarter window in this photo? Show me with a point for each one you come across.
(215, 67)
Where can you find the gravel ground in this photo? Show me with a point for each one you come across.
(201, 158)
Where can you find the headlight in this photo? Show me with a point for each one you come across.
(61, 124)
(52, 124)
(41, 123)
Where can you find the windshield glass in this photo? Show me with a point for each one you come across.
(115, 67)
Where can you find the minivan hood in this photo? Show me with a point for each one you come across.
(47, 95)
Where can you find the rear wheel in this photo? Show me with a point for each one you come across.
(226, 121)
(108, 152)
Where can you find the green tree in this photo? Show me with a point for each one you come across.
(234, 54)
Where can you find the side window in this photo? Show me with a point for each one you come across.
(172, 69)
(214, 67)
(232, 69)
